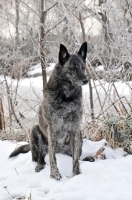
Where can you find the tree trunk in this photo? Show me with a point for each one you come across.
(106, 29)
(16, 23)
(42, 41)
(2, 122)
(87, 70)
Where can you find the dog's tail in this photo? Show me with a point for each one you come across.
(22, 149)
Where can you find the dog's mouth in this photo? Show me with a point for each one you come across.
(84, 81)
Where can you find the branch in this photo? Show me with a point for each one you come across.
(55, 25)
(128, 7)
(113, 103)
(50, 7)
(12, 111)
(60, 20)
(30, 8)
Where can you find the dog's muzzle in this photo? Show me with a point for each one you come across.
(85, 81)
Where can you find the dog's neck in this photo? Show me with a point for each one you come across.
(63, 88)
(69, 91)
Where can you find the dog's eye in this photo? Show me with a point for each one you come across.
(83, 67)
(73, 68)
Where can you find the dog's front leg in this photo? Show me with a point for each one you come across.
(77, 146)
(54, 172)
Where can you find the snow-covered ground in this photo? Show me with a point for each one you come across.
(109, 179)
(36, 69)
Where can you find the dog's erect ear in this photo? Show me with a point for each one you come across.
(83, 50)
(63, 54)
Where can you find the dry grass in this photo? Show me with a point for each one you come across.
(117, 130)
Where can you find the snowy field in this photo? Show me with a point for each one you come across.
(29, 94)
(109, 179)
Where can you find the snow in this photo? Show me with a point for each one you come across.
(36, 69)
(109, 179)
(99, 68)
(114, 69)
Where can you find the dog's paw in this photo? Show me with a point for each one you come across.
(39, 167)
(56, 175)
(76, 168)
(76, 172)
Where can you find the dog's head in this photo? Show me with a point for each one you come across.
(72, 66)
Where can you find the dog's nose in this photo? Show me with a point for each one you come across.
(85, 81)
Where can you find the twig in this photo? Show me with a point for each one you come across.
(91, 95)
(120, 99)
(12, 107)
(108, 108)
(8, 99)
(104, 89)
(29, 8)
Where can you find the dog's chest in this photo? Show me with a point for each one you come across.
(65, 118)
(68, 111)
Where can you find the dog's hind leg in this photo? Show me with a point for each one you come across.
(39, 148)
(40, 164)
(33, 144)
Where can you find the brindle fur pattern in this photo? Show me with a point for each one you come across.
(60, 113)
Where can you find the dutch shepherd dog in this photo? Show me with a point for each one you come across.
(60, 114)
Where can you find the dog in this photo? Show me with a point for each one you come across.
(60, 114)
